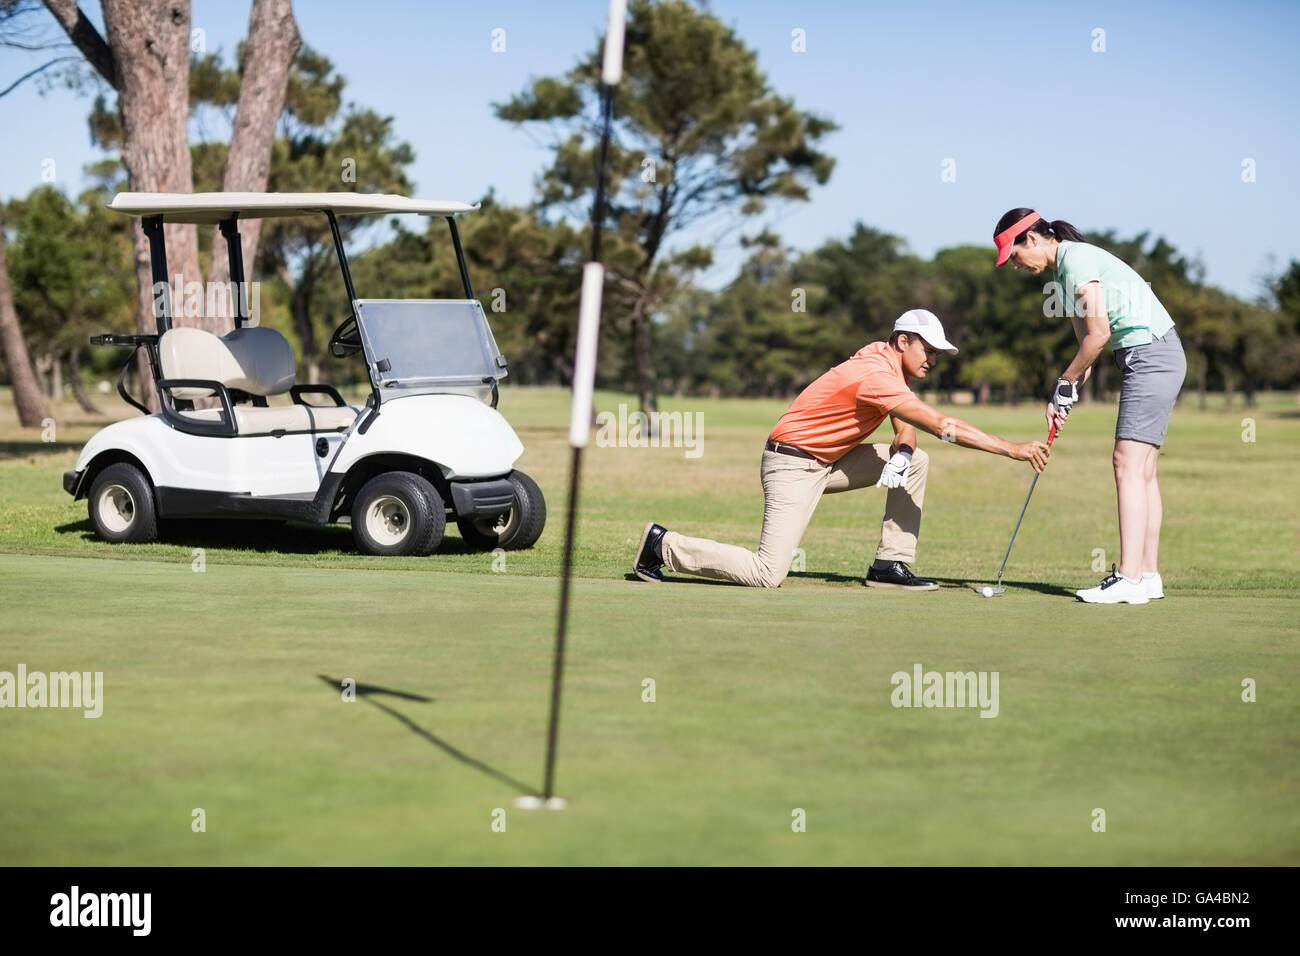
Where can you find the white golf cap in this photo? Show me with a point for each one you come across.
(927, 325)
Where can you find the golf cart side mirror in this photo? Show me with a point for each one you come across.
(501, 361)
(346, 339)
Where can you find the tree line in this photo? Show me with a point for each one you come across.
(703, 145)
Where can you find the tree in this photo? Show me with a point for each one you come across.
(770, 332)
(27, 394)
(868, 277)
(990, 370)
(149, 48)
(71, 271)
(265, 60)
(698, 135)
(1286, 294)
(146, 60)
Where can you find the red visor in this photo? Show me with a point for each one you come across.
(1007, 237)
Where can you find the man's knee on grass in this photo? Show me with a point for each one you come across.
(770, 575)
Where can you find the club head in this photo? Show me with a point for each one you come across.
(989, 590)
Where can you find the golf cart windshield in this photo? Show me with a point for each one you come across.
(429, 345)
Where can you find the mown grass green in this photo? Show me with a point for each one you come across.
(221, 688)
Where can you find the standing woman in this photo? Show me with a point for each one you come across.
(1108, 302)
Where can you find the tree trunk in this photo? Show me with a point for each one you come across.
(645, 374)
(85, 37)
(150, 44)
(1227, 389)
(300, 306)
(146, 59)
(78, 386)
(41, 367)
(273, 42)
(1203, 385)
(562, 367)
(27, 393)
(56, 377)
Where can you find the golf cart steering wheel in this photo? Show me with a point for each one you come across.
(346, 339)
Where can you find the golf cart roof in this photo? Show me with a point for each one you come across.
(212, 208)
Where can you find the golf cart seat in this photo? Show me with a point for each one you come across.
(255, 360)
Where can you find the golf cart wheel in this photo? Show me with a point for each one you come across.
(518, 528)
(121, 505)
(398, 514)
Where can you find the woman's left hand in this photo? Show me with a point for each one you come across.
(1063, 398)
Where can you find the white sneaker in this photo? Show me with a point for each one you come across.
(1155, 585)
(1116, 589)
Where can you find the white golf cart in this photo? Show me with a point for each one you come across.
(428, 443)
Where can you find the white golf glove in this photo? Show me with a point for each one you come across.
(895, 473)
(1063, 399)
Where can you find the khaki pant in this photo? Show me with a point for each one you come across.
(791, 489)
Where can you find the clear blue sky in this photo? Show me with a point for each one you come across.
(1149, 135)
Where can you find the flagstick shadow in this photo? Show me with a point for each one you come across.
(367, 693)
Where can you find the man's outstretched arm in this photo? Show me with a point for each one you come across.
(916, 412)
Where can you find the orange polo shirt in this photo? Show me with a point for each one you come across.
(835, 413)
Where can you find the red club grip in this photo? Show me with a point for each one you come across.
(1051, 435)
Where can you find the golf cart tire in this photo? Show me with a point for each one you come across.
(121, 505)
(398, 514)
(523, 524)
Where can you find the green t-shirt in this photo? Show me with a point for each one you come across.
(1135, 313)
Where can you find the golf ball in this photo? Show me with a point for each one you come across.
(986, 591)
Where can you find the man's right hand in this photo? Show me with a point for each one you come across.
(1034, 452)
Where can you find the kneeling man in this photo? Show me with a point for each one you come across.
(816, 447)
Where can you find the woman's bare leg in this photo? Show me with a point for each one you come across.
(1131, 465)
(1155, 514)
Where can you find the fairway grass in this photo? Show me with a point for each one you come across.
(222, 687)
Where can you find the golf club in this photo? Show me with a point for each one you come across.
(988, 590)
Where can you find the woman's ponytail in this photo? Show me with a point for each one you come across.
(1062, 230)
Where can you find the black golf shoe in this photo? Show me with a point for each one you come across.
(898, 575)
(649, 556)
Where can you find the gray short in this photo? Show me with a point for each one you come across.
(1153, 375)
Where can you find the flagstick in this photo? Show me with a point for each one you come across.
(584, 374)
